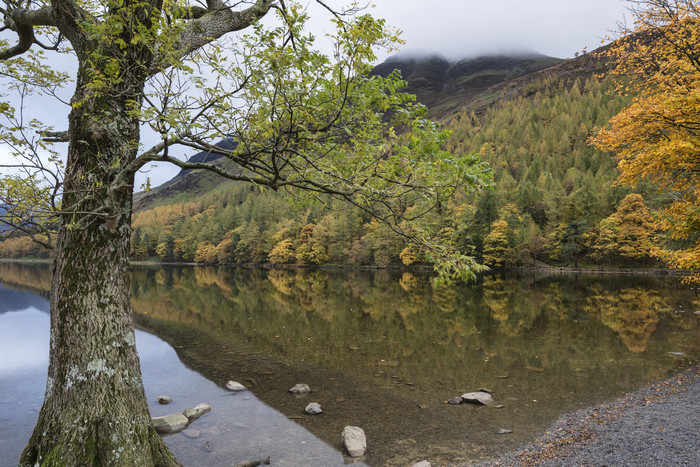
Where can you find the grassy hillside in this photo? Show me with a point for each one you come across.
(187, 184)
(529, 117)
(3, 212)
(445, 88)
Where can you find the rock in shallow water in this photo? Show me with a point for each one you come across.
(314, 408)
(455, 401)
(254, 463)
(195, 413)
(300, 389)
(235, 386)
(355, 440)
(482, 398)
(503, 431)
(421, 464)
(163, 400)
(172, 423)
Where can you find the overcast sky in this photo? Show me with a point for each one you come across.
(461, 28)
(455, 29)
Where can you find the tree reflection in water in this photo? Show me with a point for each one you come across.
(378, 347)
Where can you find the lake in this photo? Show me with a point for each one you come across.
(380, 350)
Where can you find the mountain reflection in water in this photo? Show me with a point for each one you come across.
(383, 351)
(239, 428)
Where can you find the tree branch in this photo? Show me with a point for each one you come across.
(220, 21)
(55, 136)
(22, 21)
(42, 17)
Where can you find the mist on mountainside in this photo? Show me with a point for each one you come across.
(469, 53)
(444, 85)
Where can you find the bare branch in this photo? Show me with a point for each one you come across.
(49, 47)
(240, 175)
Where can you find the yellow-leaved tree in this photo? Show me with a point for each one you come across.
(657, 137)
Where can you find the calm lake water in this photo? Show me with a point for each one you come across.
(380, 350)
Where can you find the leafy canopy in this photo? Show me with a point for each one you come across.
(657, 137)
(300, 120)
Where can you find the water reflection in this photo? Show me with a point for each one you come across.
(393, 347)
(24, 350)
(384, 351)
(23, 347)
(240, 427)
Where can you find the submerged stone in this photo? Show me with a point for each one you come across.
(163, 400)
(256, 463)
(355, 440)
(300, 389)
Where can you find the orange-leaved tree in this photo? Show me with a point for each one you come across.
(657, 137)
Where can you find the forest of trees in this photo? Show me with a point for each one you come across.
(553, 200)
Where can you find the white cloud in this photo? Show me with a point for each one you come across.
(456, 29)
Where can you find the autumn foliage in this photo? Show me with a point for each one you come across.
(657, 137)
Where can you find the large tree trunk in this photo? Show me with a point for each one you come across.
(95, 410)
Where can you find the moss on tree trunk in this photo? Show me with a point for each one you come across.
(95, 410)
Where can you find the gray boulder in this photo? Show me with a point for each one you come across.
(355, 441)
(421, 464)
(482, 398)
(235, 386)
(172, 423)
(314, 408)
(163, 400)
(300, 389)
(195, 413)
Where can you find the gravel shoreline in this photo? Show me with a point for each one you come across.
(658, 425)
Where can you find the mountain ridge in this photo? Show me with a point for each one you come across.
(444, 86)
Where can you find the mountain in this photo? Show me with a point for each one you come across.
(3, 212)
(445, 86)
(187, 183)
(530, 117)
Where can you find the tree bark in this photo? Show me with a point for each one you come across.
(95, 410)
